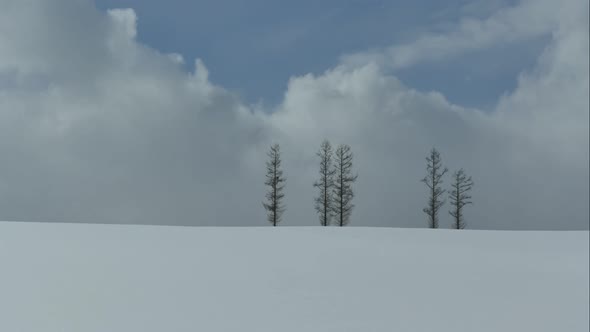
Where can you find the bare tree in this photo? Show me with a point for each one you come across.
(433, 181)
(460, 197)
(276, 183)
(324, 201)
(343, 193)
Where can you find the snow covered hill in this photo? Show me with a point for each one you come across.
(110, 278)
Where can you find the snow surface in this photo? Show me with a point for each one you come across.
(70, 277)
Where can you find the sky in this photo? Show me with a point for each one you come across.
(272, 41)
(150, 112)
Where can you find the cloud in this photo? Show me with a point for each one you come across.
(97, 127)
(526, 20)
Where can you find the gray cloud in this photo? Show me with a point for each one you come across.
(114, 131)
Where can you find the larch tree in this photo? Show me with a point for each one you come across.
(342, 192)
(276, 184)
(325, 184)
(460, 197)
(433, 180)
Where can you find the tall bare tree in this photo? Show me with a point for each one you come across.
(433, 181)
(324, 202)
(460, 197)
(276, 184)
(343, 193)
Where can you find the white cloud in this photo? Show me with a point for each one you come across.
(177, 58)
(125, 21)
(528, 19)
(114, 131)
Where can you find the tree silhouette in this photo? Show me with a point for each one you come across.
(343, 193)
(433, 181)
(460, 197)
(276, 184)
(325, 184)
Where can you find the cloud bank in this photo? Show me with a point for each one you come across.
(97, 127)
